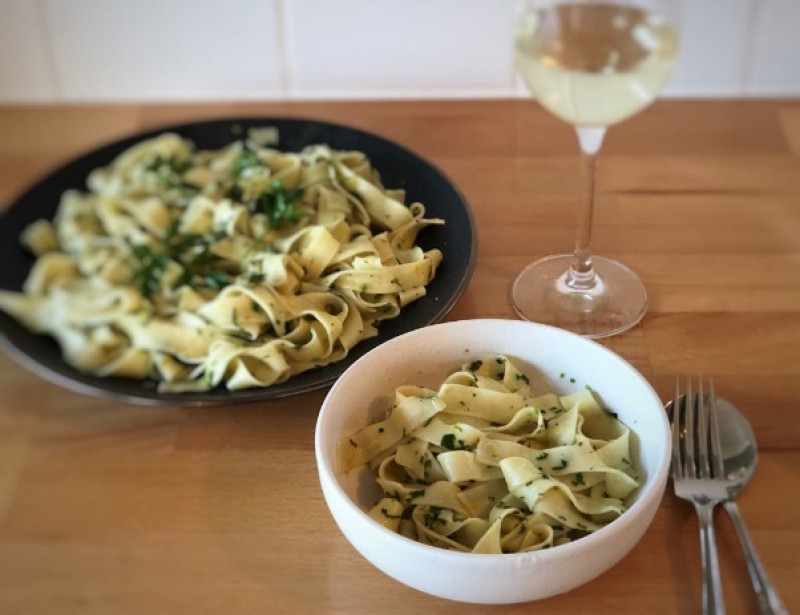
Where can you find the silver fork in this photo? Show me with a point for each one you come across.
(698, 476)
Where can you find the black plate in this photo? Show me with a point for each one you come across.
(399, 168)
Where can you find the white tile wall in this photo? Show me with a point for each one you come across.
(166, 49)
(714, 49)
(87, 50)
(26, 71)
(775, 67)
(341, 48)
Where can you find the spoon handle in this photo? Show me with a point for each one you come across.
(769, 602)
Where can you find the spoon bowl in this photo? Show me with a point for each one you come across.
(738, 443)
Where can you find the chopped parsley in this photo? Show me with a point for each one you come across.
(169, 170)
(412, 495)
(251, 279)
(449, 442)
(278, 204)
(163, 165)
(432, 516)
(191, 251)
(247, 159)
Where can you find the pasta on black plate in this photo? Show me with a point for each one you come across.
(238, 267)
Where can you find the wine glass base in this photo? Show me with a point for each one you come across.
(614, 303)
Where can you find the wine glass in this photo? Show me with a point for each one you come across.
(592, 64)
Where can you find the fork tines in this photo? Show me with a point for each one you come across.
(696, 448)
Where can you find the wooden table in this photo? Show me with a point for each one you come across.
(109, 508)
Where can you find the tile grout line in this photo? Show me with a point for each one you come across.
(748, 53)
(283, 50)
(47, 41)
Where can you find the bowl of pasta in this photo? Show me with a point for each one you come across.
(492, 461)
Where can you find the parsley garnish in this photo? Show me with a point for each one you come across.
(254, 278)
(247, 160)
(449, 441)
(191, 251)
(169, 171)
(278, 204)
(168, 165)
(432, 516)
(415, 494)
(151, 266)
(475, 365)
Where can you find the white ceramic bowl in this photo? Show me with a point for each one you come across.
(424, 357)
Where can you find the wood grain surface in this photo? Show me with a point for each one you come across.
(108, 508)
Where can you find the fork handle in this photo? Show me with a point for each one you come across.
(769, 602)
(712, 583)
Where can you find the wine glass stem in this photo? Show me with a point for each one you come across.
(582, 262)
(581, 274)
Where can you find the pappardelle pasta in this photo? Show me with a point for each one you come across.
(240, 267)
(481, 465)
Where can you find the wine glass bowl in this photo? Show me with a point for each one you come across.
(591, 64)
(594, 64)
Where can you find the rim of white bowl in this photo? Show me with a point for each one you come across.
(648, 492)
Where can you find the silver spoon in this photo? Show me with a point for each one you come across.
(739, 458)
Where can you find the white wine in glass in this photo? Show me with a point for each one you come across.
(592, 64)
